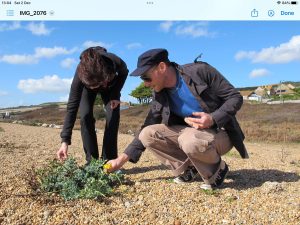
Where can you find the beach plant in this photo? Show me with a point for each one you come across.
(73, 182)
(212, 192)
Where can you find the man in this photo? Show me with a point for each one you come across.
(191, 122)
(98, 72)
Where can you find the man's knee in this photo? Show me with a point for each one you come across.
(150, 133)
(191, 144)
(146, 135)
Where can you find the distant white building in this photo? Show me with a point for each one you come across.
(285, 89)
(5, 115)
(255, 97)
(251, 96)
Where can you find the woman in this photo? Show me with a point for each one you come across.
(98, 72)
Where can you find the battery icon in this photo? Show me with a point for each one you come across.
(294, 2)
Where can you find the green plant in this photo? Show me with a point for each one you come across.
(73, 182)
(233, 154)
(212, 192)
(231, 199)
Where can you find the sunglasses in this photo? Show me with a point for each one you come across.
(146, 78)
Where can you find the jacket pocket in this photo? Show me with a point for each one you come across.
(156, 106)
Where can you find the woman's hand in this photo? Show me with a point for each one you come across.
(114, 104)
(62, 153)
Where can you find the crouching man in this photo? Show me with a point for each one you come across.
(191, 123)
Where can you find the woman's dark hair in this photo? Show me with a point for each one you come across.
(94, 68)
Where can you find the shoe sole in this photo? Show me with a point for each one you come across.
(178, 181)
(210, 187)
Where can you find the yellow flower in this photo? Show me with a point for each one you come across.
(107, 166)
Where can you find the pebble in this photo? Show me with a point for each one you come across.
(2, 213)
(47, 214)
(269, 187)
(177, 222)
(127, 204)
(152, 216)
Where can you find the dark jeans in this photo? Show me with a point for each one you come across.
(88, 133)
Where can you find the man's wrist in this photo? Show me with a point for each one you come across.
(212, 120)
(123, 158)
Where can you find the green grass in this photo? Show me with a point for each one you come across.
(211, 192)
(171, 180)
(231, 199)
(1, 129)
(233, 154)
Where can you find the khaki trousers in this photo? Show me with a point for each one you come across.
(180, 146)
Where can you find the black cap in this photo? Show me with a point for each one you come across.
(149, 59)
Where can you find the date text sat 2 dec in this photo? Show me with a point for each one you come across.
(22, 3)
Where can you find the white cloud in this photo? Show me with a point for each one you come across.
(67, 63)
(166, 26)
(52, 83)
(52, 52)
(34, 58)
(258, 73)
(88, 44)
(19, 59)
(38, 28)
(191, 29)
(9, 27)
(283, 53)
(35, 28)
(245, 55)
(3, 93)
(133, 45)
(194, 30)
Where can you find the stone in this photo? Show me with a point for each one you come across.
(127, 204)
(47, 214)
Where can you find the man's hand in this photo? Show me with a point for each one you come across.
(62, 153)
(202, 120)
(117, 163)
(114, 104)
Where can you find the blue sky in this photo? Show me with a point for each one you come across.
(38, 59)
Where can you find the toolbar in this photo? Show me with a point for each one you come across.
(149, 10)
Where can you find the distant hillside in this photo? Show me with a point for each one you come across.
(260, 122)
(296, 84)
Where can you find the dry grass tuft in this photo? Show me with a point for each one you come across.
(271, 123)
